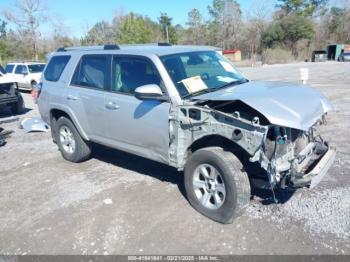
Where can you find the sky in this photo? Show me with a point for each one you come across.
(79, 15)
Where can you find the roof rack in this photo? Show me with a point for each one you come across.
(88, 48)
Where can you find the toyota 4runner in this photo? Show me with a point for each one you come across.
(188, 107)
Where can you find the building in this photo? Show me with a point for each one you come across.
(233, 54)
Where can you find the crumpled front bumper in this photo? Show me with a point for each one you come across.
(317, 171)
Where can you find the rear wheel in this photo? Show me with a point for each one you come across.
(216, 186)
(72, 146)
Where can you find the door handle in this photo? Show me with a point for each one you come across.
(112, 106)
(73, 98)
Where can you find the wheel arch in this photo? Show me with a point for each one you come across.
(56, 113)
(217, 141)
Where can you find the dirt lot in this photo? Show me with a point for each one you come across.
(117, 203)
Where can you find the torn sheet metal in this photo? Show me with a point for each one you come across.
(34, 124)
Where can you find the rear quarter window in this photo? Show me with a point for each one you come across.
(55, 68)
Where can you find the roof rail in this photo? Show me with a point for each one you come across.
(88, 48)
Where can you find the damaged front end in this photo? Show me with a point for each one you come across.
(294, 158)
(286, 157)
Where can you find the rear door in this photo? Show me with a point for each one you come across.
(86, 94)
(140, 127)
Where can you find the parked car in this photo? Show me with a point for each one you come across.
(319, 56)
(187, 107)
(10, 96)
(344, 57)
(26, 74)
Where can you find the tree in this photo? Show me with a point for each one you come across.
(287, 32)
(303, 7)
(168, 31)
(28, 15)
(226, 23)
(100, 33)
(3, 25)
(196, 27)
(133, 29)
(273, 36)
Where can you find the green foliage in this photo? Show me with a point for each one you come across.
(273, 36)
(133, 30)
(303, 7)
(287, 32)
(167, 29)
(296, 28)
(129, 29)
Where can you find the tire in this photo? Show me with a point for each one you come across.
(18, 108)
(32, 84)
(76, 153)
(235, 182)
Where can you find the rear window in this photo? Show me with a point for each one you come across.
(55, 68)
(91, 72)
(38, 68)
(9, 68)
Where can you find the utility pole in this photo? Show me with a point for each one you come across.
(167, 33)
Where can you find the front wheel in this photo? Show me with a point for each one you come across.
(216, 185)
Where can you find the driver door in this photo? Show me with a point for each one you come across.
(139, 127)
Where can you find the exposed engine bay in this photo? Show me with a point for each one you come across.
(285, 156)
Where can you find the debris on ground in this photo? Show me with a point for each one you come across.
(34, 124)
(108, 201)
(4, 134)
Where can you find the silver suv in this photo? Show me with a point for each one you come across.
(187, 107)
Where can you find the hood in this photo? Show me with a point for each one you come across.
(4, 79)
(283, 104)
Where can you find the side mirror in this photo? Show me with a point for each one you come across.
(149, 92)
(24, 73)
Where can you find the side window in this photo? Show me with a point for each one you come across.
(55, 68)
(21, 69)
(91, 71)
(129, 73)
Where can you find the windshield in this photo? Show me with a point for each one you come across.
(38, 68)
(9, 68)
(204, 71)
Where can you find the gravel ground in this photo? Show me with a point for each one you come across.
(118, 203)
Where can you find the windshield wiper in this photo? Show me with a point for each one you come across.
(209, 90)
(233, 83)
